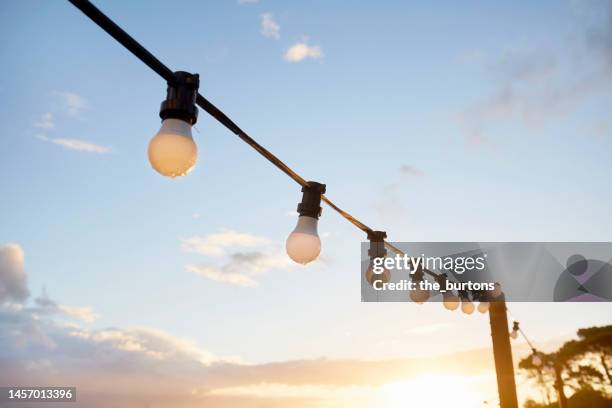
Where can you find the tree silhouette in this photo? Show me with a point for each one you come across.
(581, 366)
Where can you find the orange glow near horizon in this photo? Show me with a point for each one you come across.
(441, 390)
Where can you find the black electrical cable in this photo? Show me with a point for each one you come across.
(124, 38)
(166, 73)
(156, 65)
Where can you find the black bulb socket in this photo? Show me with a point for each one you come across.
(377, 244)
(311, 200)
(181, 97)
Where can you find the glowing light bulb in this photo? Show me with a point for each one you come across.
(514, 334)
(303, 244)
(172, 151)
(451, 301)
(483, 307)
(467, 306)
(372, 277)
(536, 360)
(419, 295)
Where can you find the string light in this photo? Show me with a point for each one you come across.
(449, 299)
(172, 152)
(303, 244)
(418, 294)
(536, 360)
(483, 307)
(377, 250)
(536, 357)
(483, 301)
(515, 330)
(467, 306)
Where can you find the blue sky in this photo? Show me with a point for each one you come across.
(472, 121)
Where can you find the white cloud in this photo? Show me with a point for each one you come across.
(45, 121)
(13, 279)
(248, 1)
(269, 27)
(242, 268)
(410, 171)
(46, 305)
(216, 244)
(220, 275)
(241, 258)
(127, 367)
(77, 144)
(300, 51)
(152, 343)
(429, 328)
(73, 103)
(535, 86)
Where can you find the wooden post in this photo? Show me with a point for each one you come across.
(502, 353)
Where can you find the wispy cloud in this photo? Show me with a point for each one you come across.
(45, 121)
(269, 27)
(217, 243)
(14, 288)
(248, 1)
(13, 280)
(46, 305)
(300, 51)
(389, 203)
(532, 87)
(77, 144)
(429, 328)
(235, 258)
(242, 268)
(410, 171)
(37, 348)
(72, 102)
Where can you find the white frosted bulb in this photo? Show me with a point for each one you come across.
(303, 244)
(419, 295)
(483, 307)
(372, 277)
(467, 307)
(172, 151)
(514, 334)
(451, 301)
(536, 360)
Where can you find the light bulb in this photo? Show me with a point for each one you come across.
(536, 360)
(483, 307)
(303, 244)
(514, 334)
(172, 151)
(372, 277)
(419, 295)
(467, 306)
(451, 301)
